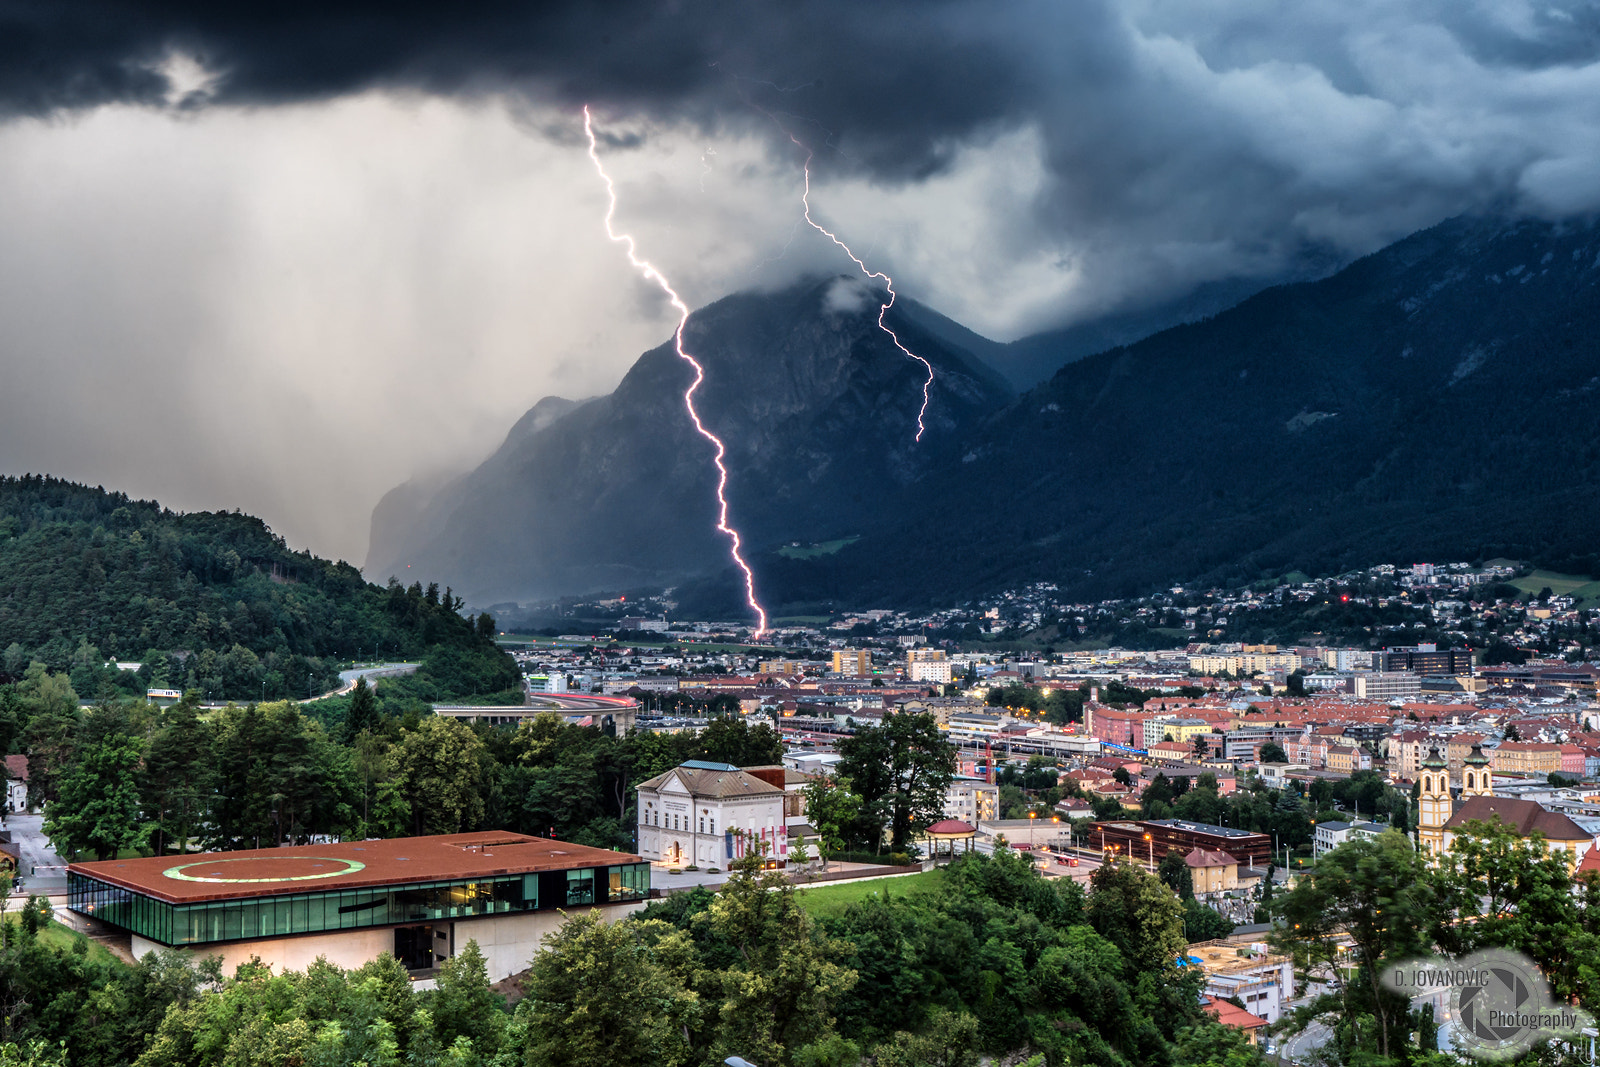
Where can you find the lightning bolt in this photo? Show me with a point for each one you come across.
(888, 284)
(648, 269)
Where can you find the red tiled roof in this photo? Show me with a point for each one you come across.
(1233, 1015)
(1201, 858)
(951, 826)
(17, 768)
(1522, 816)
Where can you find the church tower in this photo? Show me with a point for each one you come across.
(1476, 781)
(1434, 807)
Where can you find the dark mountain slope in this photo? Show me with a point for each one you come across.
(87, 574)
(818, 410)
(1436, 399)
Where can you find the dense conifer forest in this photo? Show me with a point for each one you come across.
(211, 601)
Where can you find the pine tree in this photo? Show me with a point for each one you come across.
(363, 713)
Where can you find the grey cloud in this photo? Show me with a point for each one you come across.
(1177, 143)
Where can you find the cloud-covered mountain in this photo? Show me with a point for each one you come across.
(1436, 399)
(818, 410)
(1433, 400)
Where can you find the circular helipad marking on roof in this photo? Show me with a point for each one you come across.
(212, 874)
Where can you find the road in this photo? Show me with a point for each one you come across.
(347, 679)
(1299, 1047)
(27, 832)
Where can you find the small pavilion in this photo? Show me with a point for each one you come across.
(949, 837)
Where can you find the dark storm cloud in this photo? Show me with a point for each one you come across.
(314, 200)
(1148, 109)
(900, 77)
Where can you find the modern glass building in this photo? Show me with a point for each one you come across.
(421, 886)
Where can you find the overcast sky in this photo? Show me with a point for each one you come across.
(282, 257)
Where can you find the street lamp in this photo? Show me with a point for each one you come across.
(1152, 846)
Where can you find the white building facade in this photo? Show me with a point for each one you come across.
(708, 814)
(972, 800)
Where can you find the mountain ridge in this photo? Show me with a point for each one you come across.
(1408, 404)
(816, 406)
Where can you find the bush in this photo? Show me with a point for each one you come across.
(691, 867)
(898, 859)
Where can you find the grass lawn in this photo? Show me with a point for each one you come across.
(1561, 584)
(59, 937)
(830, 898)
(821, 548)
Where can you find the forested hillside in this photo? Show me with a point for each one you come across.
(1434, 400)
(210, 601)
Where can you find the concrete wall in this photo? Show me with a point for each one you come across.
(508, 942)
(348, 949)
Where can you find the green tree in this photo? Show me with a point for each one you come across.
(51, 707)
(98, 809)
(609, 993)
(1201, 923)
(736, 742)
(464, 1006)
(777, 991)
(1159, 791)
(178, 774)
(901, 771)
(1378, 894)
(363, 711)
(278, 778)
(1175, 874)
(832, 809)
(1499, 889)
(1130, 908)
(1272, 752)
(951, 1040)
(441, 764)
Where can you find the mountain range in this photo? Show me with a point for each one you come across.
(1435, 399)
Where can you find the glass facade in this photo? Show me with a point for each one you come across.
(350, 909)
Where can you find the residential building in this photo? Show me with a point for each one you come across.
(1347, 759)
(856, 662)
(1262, 981)
(1231, 1015)
(705, 814)
(1242, 664)
(1212, 872)
(1385, 685)
(1331, 834)
(1275, 775)
(972, 800)
(928, 670)
(1527, 757)
(17, 784)
(1428, 659)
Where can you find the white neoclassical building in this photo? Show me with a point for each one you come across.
(706, 814)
